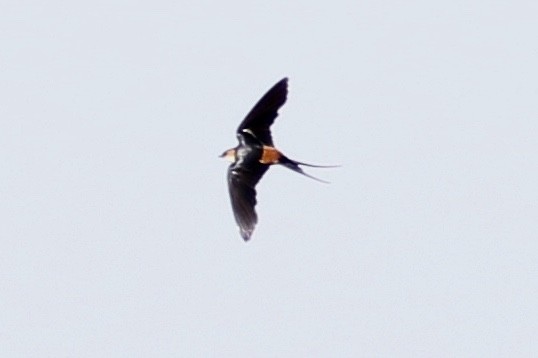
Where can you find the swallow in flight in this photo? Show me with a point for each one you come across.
(254, 154)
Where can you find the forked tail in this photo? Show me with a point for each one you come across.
(294, 165)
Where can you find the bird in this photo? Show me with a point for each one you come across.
(253, 156)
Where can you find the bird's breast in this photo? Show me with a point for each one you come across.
(247, 155)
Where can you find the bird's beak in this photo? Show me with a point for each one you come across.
(229, 155)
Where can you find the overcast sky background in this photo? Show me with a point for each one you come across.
(117, 236)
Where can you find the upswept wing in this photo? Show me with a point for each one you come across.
(263, 114)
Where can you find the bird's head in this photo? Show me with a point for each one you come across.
(229, 155)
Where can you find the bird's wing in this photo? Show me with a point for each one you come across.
(241, 184)
(260, 118)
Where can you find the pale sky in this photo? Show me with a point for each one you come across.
(117, 235)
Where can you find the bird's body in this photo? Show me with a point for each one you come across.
(253, 155)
